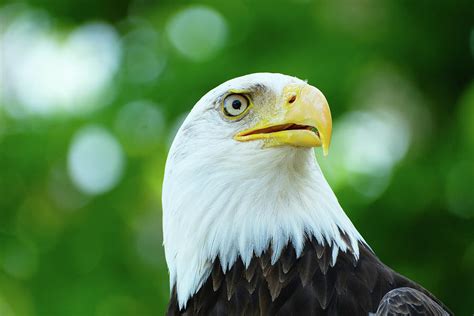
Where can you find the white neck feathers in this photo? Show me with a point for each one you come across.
(229, 208)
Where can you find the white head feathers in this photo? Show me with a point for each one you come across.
(224, 198)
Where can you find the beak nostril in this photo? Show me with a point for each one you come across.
(292, 99)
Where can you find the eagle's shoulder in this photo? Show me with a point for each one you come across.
(409, 301)
(306, 285)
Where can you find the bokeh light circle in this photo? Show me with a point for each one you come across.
(198, 32)
(140, 125)
(144, 57)
(47, 71)
(95, 161)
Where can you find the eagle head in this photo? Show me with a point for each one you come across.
(241, 178)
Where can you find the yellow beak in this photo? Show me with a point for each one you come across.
(302, 118)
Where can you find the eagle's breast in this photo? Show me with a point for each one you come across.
(307, 285)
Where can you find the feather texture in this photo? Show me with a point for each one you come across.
(408, 301)
(309, 285)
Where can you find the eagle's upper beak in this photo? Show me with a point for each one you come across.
(302, 119)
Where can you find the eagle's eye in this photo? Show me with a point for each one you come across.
(235, 105)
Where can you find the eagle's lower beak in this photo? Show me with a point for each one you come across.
(302, 119)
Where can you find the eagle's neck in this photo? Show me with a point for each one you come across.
(212, 212)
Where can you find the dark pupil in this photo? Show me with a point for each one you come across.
(236, 104)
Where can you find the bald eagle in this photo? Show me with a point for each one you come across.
(251, 226)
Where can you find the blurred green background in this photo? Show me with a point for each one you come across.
(93, 91)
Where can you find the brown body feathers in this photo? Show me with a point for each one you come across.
(308, 285)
